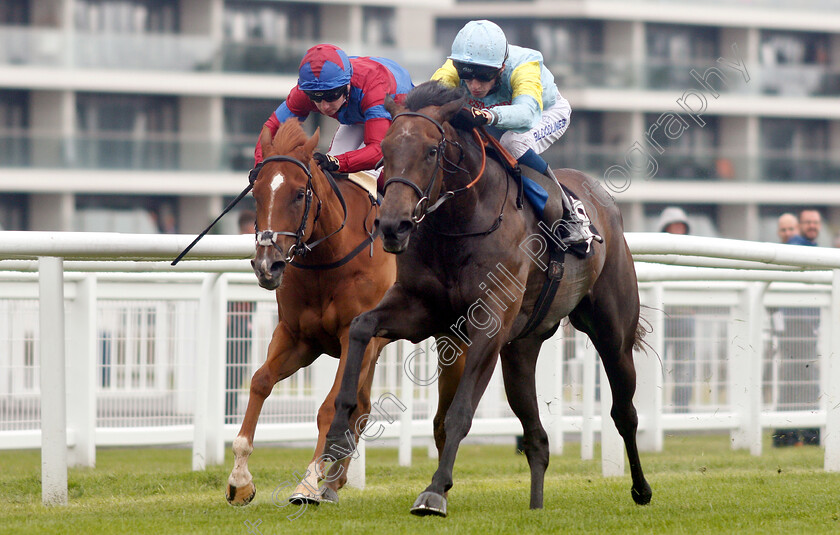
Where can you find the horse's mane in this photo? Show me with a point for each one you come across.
(433, 93)
(289, 136)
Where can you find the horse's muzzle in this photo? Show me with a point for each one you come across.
(395, 234)
(269, 270)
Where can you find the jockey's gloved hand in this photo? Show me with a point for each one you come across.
(481, 117)
(326, 162)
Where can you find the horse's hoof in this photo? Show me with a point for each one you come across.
(642, 497)
(328, 495)
(240, 496)
(298, 498)
(337, 448)
(429, 503)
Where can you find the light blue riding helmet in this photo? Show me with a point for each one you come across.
(480, 42)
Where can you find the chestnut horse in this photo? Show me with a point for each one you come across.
(314, 246)
(467, 268)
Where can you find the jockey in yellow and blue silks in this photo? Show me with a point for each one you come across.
(511, 90)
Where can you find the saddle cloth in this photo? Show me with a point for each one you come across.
(536, 185)
(365, 180)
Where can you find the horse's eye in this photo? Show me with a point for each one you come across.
(300, 195)
(432, 152)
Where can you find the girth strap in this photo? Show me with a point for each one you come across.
(556, 258)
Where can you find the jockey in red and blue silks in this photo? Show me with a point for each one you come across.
(351, 90)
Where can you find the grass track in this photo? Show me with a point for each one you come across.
(699, 486)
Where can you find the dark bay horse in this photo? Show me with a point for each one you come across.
(300, 210)
(464, 274)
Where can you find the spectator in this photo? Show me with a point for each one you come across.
(673, 221)
(788, 227)
(679, 324)
(810, 224)
(799, 349)
(239, 333)
(799, 371)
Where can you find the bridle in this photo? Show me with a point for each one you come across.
(268, 237)
(422, 208)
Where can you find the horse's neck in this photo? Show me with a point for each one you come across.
(480, 197)
(331, 215)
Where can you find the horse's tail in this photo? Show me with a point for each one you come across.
(643, 327)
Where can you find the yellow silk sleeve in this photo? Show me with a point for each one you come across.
(526, 80)
(447, 75)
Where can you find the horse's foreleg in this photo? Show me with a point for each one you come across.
(478, 369)
(450, 375)
(285, 356)
(398, 315)
(519, 362)
(337, 475)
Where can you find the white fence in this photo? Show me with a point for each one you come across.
(165, 357)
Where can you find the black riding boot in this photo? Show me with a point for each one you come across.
(562, 214)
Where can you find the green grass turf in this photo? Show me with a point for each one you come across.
(699, 486)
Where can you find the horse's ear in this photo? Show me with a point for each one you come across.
(448, 110)
(265, 141)
(311, 143)
(392, 107)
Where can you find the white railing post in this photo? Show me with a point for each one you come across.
(407, 398)
(549, 379)
(217, 334)
(202, 371)
(53, 385)
(81, 373)
(649, 380)
(831, 438)
(587, 430)
(745, 368)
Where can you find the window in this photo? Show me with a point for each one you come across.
(14, 12)
(127, 131)
(377, 25)
(14, 128)
(796, 150)
(672, 51)
(244, 119)
(127, 16)
(693, 154)
(268, 37)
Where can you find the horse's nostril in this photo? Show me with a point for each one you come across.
(278, 267)
(404, 226)
(376, 223)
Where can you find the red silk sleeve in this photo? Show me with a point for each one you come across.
(272, 124)
(368, 156)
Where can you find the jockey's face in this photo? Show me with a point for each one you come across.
(479, 89)
(330, 107)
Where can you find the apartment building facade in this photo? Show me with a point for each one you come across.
(141, 115)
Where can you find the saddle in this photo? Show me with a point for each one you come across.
(536, 191)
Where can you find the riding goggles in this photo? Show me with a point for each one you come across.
(329, 95)
(469, 71)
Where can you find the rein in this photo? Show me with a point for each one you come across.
(422, 208)
(267, 238)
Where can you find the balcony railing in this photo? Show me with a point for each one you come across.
(168, 52)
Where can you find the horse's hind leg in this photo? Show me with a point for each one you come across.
(519, 361)
(612, 327)
(285, 357)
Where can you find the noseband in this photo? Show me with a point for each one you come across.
(422, 207)
(268, 238)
